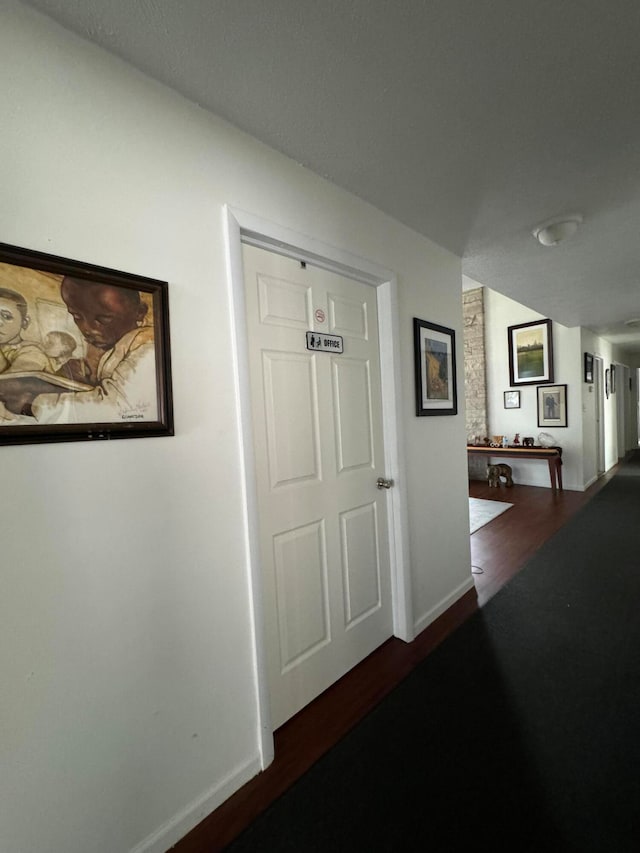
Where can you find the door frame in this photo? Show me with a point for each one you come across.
(622, 385)
(243, 227)
(598, 365)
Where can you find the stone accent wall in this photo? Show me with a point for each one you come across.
(475, 379)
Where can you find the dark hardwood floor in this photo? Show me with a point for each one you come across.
(503, 546)
(500, 550)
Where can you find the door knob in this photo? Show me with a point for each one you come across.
(381, 483)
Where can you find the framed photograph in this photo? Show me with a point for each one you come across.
(588, 368)
(512, 399)
(435, 369)
(552, 406)
(612, 379)
(606, 383)
(84, 351)
(530, 353)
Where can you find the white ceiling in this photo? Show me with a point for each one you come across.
(469, 120)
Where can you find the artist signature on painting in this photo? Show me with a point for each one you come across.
(135, 413)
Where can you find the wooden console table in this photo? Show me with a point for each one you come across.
(553, 455)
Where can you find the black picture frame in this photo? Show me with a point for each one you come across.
(530, 348)
(434, 349)
(552, 406)
(588, 368)
(606, 383)
(612, 379)
(92, 364)
(511, 399)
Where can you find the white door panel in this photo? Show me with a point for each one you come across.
(318, 449)
(361, 563)
(291, 417)
(352, 412)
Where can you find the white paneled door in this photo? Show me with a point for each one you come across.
(317, 427)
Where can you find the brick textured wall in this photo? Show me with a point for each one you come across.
(475, 380)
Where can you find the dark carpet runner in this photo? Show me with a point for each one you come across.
(521, 732)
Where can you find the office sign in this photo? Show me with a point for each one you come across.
(320, 342)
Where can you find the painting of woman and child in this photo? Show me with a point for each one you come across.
(83, 351)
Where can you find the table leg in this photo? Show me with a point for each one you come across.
(552, 471)
(558, 462)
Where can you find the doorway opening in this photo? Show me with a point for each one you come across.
(244, 228)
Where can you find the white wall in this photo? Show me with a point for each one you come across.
(604, 350)
(128, 683)
(578, 439)
(628, 401)
(500, 313)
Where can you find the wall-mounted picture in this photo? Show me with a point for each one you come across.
(530, 353)
(612, 379)
(606, 383)
(512, 399)
(435, 369)
(552, 406)
(588, 367)
(84, 351)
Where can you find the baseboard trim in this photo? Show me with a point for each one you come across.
(188, 818)
(436, 611)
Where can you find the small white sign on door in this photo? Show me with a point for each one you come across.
(324, 343)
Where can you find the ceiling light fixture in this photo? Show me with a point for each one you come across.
(633, 323)
(554, 231)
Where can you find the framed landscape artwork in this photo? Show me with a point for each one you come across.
(530, 353)
(84, 351)
(552, 406)
(435, 369)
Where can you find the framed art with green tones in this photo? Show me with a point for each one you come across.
(530, 353)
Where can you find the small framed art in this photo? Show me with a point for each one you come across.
(530, 353)
(552, 406)
(588, 367)
(435, 369)
(512, 399)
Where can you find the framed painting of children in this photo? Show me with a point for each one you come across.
(84, 351)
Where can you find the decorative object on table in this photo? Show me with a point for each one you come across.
(496, 441)
(495, 472)
(528, 441)
(512, 399)
(546, 440)
(612, 379)
(486, 441)
(552, 405)
(482, 511)
(434, 349)
(588, 368)
(516, 439)
(530, 353)
(551, 455)
(505, 441)
(88, 357)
